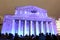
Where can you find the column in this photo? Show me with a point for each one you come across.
(47, 27)
(42, 28)
(25, 28)
(34, 27)
(37, 28)
(31, 28)
(19, 28)
(22, 28)
(51, 28)
(13, 27)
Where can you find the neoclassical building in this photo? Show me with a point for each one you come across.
(29, 20)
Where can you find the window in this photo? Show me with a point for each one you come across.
(33, 11)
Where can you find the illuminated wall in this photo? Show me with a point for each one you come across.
(58, 25)
(29, 20)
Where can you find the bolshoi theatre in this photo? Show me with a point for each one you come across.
(29, 20)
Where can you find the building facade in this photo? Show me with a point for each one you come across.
(29, 20)
(58, 26)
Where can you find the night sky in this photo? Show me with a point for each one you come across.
(52, 6)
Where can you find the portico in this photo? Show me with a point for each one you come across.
(29, 27)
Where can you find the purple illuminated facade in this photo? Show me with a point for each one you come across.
(29, 20)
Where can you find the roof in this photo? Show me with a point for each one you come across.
(30, 8)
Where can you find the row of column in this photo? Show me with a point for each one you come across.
(33, 28)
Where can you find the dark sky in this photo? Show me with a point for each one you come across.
(52, 6)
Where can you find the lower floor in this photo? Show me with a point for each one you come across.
(28, 27)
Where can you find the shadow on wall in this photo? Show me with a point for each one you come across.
(1, 21)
